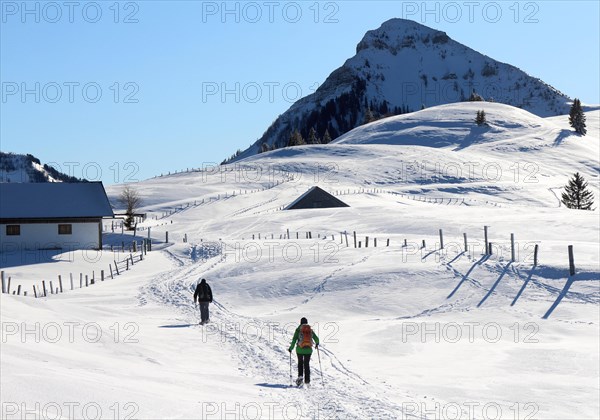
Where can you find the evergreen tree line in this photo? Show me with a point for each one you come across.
(336, 117)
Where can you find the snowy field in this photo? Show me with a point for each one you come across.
(406, 331)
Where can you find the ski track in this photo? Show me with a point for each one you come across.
(265, 357)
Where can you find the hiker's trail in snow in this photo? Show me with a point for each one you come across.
(260, 348)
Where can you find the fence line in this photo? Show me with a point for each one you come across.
(128, 262)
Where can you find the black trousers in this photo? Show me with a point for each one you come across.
(203, 310)
(304, 367)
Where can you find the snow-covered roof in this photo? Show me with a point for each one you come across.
(53, 200)
(316, 198)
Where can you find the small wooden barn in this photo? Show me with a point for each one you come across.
(316, 198)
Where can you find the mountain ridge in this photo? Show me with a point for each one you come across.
(401, 67)
(27, 168)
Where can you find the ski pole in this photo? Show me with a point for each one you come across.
(320, 367)
(291, 384)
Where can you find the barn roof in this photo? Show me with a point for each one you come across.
(51, 200)
(316, 198)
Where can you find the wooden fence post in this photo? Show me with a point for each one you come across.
(512, 247)
(167, 237)
(441, 239)
(71, 278)
(535, 255)
(101, 275)
(366, 241)
(405, 243)
(34, 291)
(359, 244)
(80, 280)
(111, 272)
(131, 258)
(60, 283)
(135, 246)
(485, 239)
(354, 239)
(116, 268)
(375, 242)
(126, 264)
(346, 234)
(571, 261)
(388, 242)
(466, 244)
(489, 248)
(422, 247)
(3, 284)
(18, 289)
(86, 281)
(51, 288)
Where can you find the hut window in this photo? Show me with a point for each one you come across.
(13, 230)
(65, 229)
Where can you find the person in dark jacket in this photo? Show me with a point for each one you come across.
(204, 296)
(304, 336)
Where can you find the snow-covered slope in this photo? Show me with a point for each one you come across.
(453, 126)
(401, 67)
(406, 331)
(27, 168)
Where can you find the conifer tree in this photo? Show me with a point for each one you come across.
(475, 97)
(577, 117)
(296, 139)
(577, 195)
(312, 137)
(326, 137)
(480, 118)
(369, 117)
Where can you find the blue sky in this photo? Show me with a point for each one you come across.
(122, 91)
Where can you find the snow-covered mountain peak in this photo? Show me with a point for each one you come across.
(395, 34)
(399, 68)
